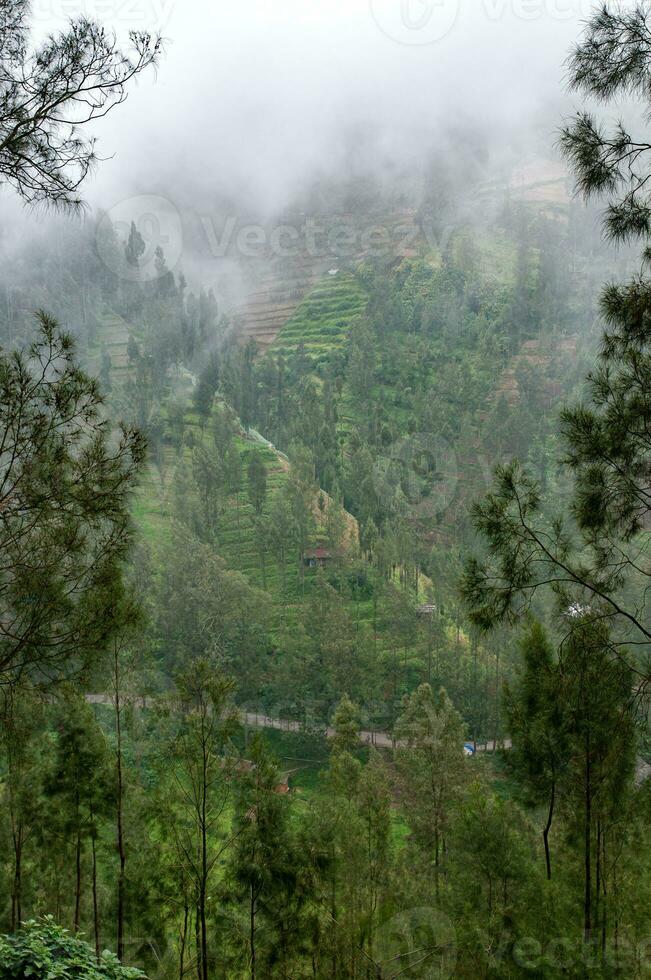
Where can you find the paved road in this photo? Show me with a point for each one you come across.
(382, 740)
(254, 719)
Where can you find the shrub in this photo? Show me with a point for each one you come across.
(44, 951)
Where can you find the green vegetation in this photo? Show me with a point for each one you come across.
(321, 323)
(43, 950)
(280, 712)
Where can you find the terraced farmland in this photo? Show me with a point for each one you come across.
(322, 321)
(274, 301)
(113, 334)
(236, 537)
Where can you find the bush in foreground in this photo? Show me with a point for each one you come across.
(44, 951)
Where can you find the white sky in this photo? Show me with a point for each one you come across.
(260, 92)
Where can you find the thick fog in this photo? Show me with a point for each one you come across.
(256, 95)
(253, 101)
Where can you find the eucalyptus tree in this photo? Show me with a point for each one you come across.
(24, 754)
(198, 763)
(80, 789)
(266, 876)
(432, 767)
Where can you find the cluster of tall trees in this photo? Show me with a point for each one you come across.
(159, 831)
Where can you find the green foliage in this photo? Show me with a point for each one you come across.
(60, 465)
(589, 552)
(611, 61)
(432, 767)
(44, 951)
(346, 726)
(391, 392)
(257, 482)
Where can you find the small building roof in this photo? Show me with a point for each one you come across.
(317, 553)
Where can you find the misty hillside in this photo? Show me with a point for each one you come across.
(325, 400)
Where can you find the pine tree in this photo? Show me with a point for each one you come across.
(134, 247)
(64, 468)
(589, 556)
(257, 482)
(50, 94)
(24, 757)
(597, 694)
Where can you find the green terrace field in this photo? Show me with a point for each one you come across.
(236, 538)
(112, 336)
(290, 586)
(322, 321)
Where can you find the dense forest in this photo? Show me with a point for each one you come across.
(323, 637)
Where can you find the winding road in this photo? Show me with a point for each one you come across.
(254, 719)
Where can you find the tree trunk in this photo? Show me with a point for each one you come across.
(548, 826)
(263, 568)
(184, 933)
(204, 867)
(604, 896)
(283, 569)
(197, 939)
(497, 698)
(587, 847)
(16, 891)
(597, 875)
(95, 905)
(119, 810)
(252, 932)
(77, 882)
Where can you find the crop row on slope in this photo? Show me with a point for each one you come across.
(322, 321)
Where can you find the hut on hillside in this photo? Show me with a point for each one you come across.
(317, 557)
